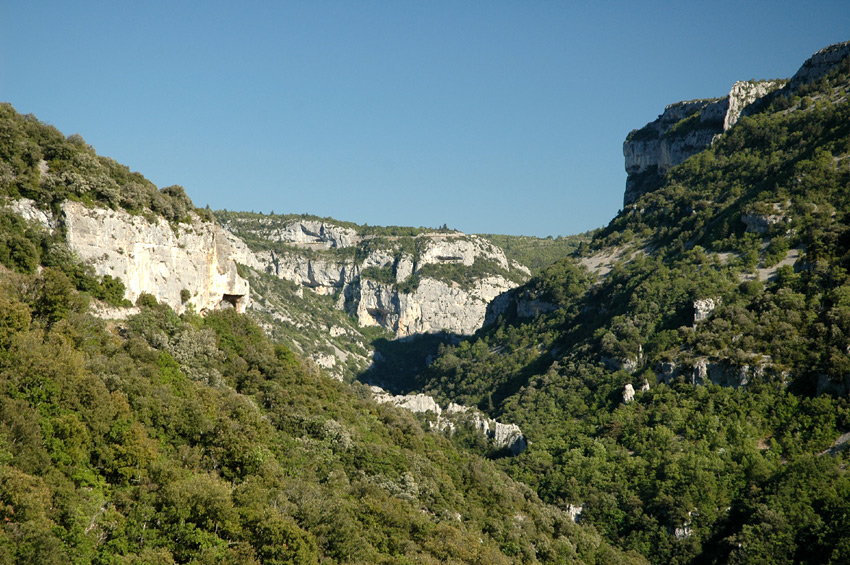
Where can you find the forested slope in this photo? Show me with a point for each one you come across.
(162, 438)
(729, 302)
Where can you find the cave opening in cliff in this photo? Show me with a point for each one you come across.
(380, 316)
(231, 300)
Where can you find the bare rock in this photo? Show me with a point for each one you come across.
(628, 393)
(704, 307)
(154, 257)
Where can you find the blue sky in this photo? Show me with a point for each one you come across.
(491, 117)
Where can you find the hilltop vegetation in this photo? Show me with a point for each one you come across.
(38, 162)
(537, 253)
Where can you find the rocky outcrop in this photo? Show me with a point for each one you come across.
(150, 255)
(628, 393)
(155, 257)
(299, 232)
(703, 371)
(321, 275)
(682, 130)
(686, 128)
(820, 64)
(704, 307)
(416, 403)
(502, 436)
(762, 223)
(519, 302)
(459, 249)
(27, 209)
(434, 306)
(628, 364)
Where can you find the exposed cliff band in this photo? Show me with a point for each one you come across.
(405, 284)
(153, 256)
(686, 128)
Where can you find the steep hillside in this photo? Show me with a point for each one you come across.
(123, 227)
(536, 253)
(684, 379)
(166, 438)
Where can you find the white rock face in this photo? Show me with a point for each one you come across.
(503, 435)
(303, 232)
(458, 248)
(628, 393)
(704, 307)
(404, 268)
(416, 403)
(508, 436)
(27, 209)
(743, 94)
(683, 532)
(152, 257)
(433, 307)
(318, 274)
(667, 142)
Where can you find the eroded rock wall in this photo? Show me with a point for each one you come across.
(433, 307)
(682, 130)
(431, 304)
(502, 436)
(155, 257)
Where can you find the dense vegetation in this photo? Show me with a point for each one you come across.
(754, 472)
(38, 162)
(165, 438)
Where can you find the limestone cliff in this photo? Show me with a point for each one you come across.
(408, 284)
(152, 256)
(686, 128)
(820, 64)
(433, 306)
(302, 232)
(158, 258)
(521, 302)
(682, 130)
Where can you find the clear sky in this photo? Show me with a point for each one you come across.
(491, 117)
